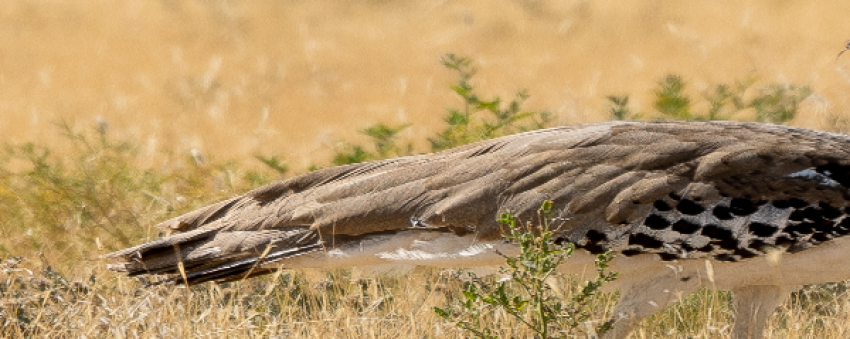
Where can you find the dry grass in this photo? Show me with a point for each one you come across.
(235, 80)
(38, 302)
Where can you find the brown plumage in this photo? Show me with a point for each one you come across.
(724, 191)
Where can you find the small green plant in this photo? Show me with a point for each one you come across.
(670, 99)
(465, 125)
(256, 178)
(274, 163)
(778, 103)
(463, 128)
(775, 103)
(619, 107)
(525, 295)
(384, 142)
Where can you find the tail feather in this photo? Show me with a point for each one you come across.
(240, 269)
(208, 255)
(164, 243)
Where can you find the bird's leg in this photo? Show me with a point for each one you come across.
(652, 293)
(753, 304)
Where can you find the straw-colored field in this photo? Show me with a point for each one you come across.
(291, 79)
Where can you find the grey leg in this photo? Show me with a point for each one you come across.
(753, 304)
(652, 294)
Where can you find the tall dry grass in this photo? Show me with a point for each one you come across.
(40, 303)
(101, 104)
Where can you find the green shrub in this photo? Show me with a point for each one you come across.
(94, 197)
(466, 125)
(778, 103)
(384, 144)
(619, 107)
(79, 196)
(477, 120)
(774, 103)
(525, 294)
(670, 99)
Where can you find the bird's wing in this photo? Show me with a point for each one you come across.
(698, 188)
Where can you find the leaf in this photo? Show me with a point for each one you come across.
(442, 313)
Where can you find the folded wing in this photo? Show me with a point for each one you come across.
(725, 190)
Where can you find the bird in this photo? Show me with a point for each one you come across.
(757, 209)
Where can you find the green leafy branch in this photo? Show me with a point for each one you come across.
(525, 294)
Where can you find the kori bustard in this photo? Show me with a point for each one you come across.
(757, 209)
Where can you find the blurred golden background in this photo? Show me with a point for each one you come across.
(290, 78)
